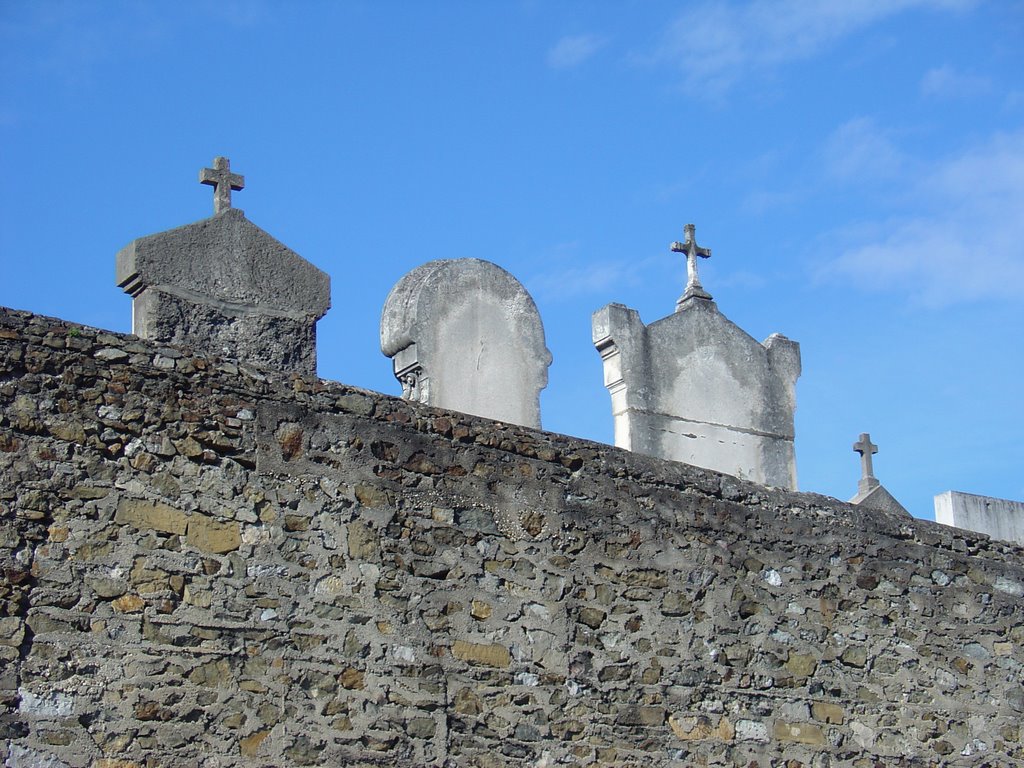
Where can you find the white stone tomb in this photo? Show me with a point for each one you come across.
(464, 334)
(999, 518)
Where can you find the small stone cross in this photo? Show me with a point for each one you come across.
(692, 250)
(223, 181)
(866, 448)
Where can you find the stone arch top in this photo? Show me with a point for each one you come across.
(465, 334)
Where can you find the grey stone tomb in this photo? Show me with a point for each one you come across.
(870, 492)
(225, 287)
(999, 518)
(464, 334)
(694, 387)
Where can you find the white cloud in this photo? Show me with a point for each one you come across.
(946, 82)
(572, 51)
(859, 151)
(717, 43)
(966, 240)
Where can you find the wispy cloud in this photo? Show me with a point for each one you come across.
(966, 240)
(571, 51)
(74, 39)
(586, 280)
(758, 202)
(717, 43)
(859, 150)
(569, 273)
(946, 83)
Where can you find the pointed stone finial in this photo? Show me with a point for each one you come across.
(866, 448)
(689, 246)
(223, 181)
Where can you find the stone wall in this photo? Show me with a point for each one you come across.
(208, 565)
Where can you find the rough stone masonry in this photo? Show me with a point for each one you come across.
(208, 564)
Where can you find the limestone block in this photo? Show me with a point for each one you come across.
(999, 518)
(694, 387)
(129, 604)
(801, 733)
(353, 679)
(827, 713)
(223, 286)
(143, 514)
(212, 535)
(464, 334)
(694, 728)
(362, 541)
(492, 655)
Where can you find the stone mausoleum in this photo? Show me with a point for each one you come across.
(694, 387)
(224, 286)
(213, 559)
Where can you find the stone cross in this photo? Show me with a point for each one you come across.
(223, 181)
(689, 246)
(866, 448)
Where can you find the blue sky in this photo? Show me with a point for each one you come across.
(857, 168)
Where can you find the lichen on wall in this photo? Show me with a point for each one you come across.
(207, 564)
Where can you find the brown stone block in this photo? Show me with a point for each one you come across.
(675, 604)
(801, 733)
(144, 515)
(480, 610)
(467, 703)
(296, 523)
(212, 674)
(129, 604)
(352, 678)
(144, 462)
(801, 665)
(647, 716)
(700, 728)
(615, 672)
(854, 656)
(72, 432)
(8, 442)
(827, 713)
(362, 541)
(213, 536)
(371, 496)
(492, 655)
(250, 745)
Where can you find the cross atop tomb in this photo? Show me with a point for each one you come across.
(866, 448)
(689, 246)
(223, 181)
